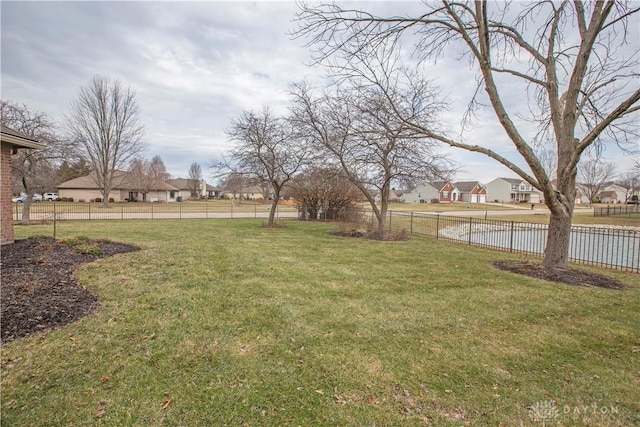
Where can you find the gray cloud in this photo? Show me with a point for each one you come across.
(194, 66)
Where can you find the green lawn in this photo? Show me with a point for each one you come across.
(222, 322)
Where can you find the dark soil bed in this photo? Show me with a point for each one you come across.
(569, 276)
(38, 289)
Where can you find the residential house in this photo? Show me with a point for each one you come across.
(439, 192)
(85, 188)
(513, 190)
(394, 196)
(608, 197)
(10, 142)
(423, 193)
(471, 191)
(187, 189)
(213, 192)
(447, 192)
(619, 190)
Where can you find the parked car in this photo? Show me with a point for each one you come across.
(633, 202)
(50, 197)
(20, 199)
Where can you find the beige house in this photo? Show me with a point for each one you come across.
(84, 189)
(10, 142)
(514, 190)
(187, 190)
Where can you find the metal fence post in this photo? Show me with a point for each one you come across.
(411, 224)
(437, 226)
(470, 226)
(152, 211)
(89, 211)
(180, 210)
(121, 212)
(54, 221)
(511, 241)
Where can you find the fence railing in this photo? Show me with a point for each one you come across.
(616, 210)
(65, 211)
(610, 247)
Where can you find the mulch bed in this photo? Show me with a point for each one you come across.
(38, 290)
(568, 276)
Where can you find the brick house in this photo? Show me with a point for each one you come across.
(10, 142)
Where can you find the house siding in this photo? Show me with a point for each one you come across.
(86, 195)
(501, 190)
(421, 192)
(6, 220)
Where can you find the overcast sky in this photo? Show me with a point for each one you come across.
(194, 66)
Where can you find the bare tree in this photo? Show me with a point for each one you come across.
(72, 169)
(572, 59)
(195, 180)
(147, 175)
(233, 182)
(267, 151)
(158, 170)
(356, 129)
(593, 174)
(104, 119)
(630, 180)
(34, 170)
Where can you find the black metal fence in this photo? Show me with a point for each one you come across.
(605, 246)
(616, 210)
(65, 211)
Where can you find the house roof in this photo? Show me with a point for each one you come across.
(466, 186)
(19, 140)
(121, 182)
(438, 185)
(512, 180)
(212, 188)
(181, 183)
(610, 194)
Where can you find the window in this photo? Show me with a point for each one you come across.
(445, 194)
(172, 194)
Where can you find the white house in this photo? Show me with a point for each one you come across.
(513, 190)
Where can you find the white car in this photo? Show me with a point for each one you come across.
(49, 197)
(20, 199)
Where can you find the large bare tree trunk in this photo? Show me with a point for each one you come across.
(556, 254)
(26, 210)
(560, 203)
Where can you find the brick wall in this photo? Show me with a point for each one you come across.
(6, 187)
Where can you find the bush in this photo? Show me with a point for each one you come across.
(111, 200)
(83, 245)
(97, 200)
(81, 200)
(435, 200)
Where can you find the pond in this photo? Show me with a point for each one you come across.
(593, 246)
